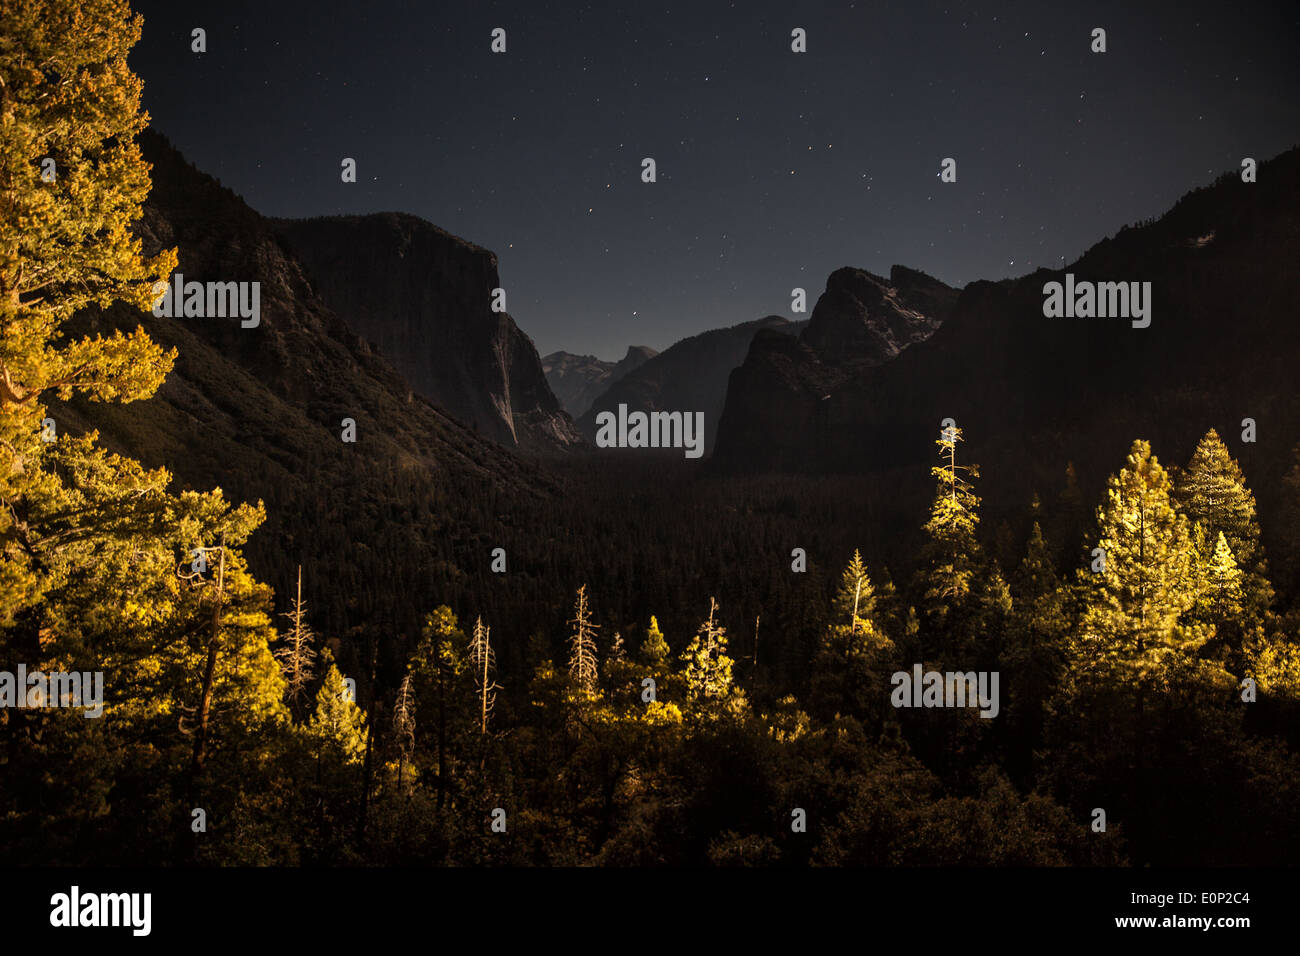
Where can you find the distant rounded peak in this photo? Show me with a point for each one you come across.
(640, 351)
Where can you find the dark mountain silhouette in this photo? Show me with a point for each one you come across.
(691, 375)
(577, 380)
(423, 297)
(1032, 392)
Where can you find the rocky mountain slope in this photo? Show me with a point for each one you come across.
(578, 380)
(691, 375)
(1032, 392)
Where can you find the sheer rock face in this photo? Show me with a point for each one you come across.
(690, 376)
(862, 319)
(578, 380)
(280, 389)
(780, 400)
(423, 297)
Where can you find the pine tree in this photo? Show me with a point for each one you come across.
(952, 550)
(67, 95)
(1035, 653)
(854, 653)
(856, 598)
(708, 668)
(1213, 494)
(446, 693)
(1131, 625)
(654, 648)
(338, 725)
(1224, 578)
(582, 643)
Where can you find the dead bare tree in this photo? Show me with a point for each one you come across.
(298, 656)
(483, 659)
(404, 726)
(582, 657)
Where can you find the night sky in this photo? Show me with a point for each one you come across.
(774, 168)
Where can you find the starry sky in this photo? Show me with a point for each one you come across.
(773, 168)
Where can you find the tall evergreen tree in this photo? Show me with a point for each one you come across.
(654, 648)
(338, 725)
(66, 96)
(1213, 494)
(1132, 617)
(856, 599)
(708, 668)
(447, 703)
(849, 669)
(1034, 656)
(952, 549)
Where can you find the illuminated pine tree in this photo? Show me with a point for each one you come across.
(1222, 597)
(1213, 494)
(654, 648)
(1131, 626)
(952, 551)
(856, 599)
(338, 725)
(71, 107)
(582, 645)
(708, 668)
(849, 668)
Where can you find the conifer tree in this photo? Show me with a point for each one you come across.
(1214, 496)
(854, 652)
(654, 648)
(708, 668)
(952, 550)
(338, 725)
(1223, 593)
(1213, 493)
(1036, 650)
(855, 600)
(67, 95)
(1132, 617)
(446, 695)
